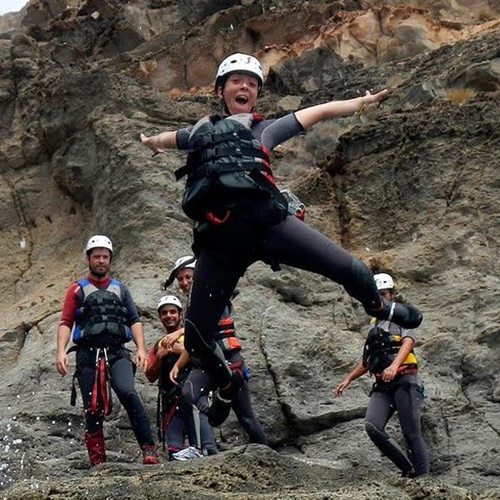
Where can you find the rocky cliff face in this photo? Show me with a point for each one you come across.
(411, 187)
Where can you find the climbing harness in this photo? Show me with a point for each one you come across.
(101, 391)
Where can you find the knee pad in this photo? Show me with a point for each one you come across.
(132, 402)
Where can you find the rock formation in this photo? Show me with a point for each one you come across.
(410, 186)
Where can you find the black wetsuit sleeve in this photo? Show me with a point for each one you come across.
(128, 303)
(270, 133)
(182, 138)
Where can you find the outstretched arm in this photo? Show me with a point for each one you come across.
(159, 143)
(308, 117)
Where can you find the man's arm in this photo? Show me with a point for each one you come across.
(134, 321)
(141, 358)
(179, 365)
(170, 339)
(63, 336)
(156, 355)
(392, 370)
(65, 326)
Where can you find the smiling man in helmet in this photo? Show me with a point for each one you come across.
(242, 217)
(388, 355)
(104, 317)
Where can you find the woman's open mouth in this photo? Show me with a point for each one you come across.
(241, 100)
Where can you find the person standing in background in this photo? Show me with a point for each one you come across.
(104, 317)
(388, 355)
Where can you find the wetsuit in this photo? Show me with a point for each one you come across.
(120, 366)
(255, 231)
(403, 395)
(200, 382)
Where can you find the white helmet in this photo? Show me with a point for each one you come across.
(239, 63)
(383, 281)
(99, 241)
(169, 300)
(186, 262)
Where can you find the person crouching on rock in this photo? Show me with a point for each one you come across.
(242, 217)
(105, 319)
(388, 355)
(176, 418)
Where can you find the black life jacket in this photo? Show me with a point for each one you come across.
(102, 318)
(381, 347)
(225, 164)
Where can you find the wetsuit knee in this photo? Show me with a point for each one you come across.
(132, 402)
(188, 397)
(375, 433)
